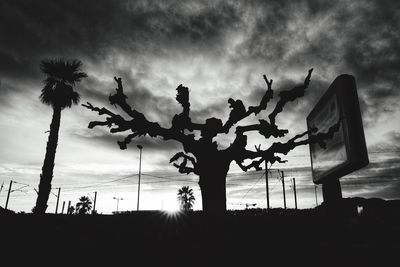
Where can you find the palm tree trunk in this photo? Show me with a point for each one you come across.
(48, 164)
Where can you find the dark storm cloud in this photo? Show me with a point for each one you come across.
(142, 99)
(372, 48)
(298, 109)
(5, 90)
(358, 38)
(275, 30)
(156, 144)
(89, 30)
(139, 97)
(371, 53)
(391, 146)
(12, 68)
(364, 35)
(382, 170)
(362, 40)
(219, 108)
(369, 34)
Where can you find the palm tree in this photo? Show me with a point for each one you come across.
(58, 93)
(71, 210)
(84, 205)
(186, 198)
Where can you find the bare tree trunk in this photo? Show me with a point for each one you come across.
(48, 164)
(213, 187)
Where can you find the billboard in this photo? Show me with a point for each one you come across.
(346, 151)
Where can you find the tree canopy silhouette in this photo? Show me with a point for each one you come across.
(201, 155)
(61, 76)
(84, 205)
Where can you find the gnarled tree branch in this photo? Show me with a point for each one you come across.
(208, 161)
(290, 95)
(183, 167)
(264, 128)
(239, 112)
(139, 125)
(282, 148)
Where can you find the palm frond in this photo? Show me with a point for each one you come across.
(75, 97)
(61, 76)
(68, 71)
(47, 94)
(77, 77)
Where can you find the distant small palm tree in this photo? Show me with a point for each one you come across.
(84, 205)
(186, 198)
(71, 210)
(57, 92)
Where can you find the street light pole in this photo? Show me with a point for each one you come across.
(284, 193)
(140, 171)
(63, 206)
(266, 183)
(118, 199)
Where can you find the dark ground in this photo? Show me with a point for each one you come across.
(254, 237)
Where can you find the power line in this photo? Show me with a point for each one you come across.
(21, 183)
(239, 176)
(102, 183)
(345, 180)
(19, 189)
(252, 187)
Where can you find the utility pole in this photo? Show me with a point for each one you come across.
(8, 194)
(69, 205)
(62, 210)
(295, 194)
(118, 199)
(316, 198)
(58, 198)
(284, 193)
(94, 202)
(266, 183)
(140, 170)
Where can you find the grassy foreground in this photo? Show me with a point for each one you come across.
(319, 235)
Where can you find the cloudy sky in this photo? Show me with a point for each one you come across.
(219, 49)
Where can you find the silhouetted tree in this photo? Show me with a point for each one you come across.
(84, 205)
(71, 210)
(186, 198)
(57, 92)
(201, 155)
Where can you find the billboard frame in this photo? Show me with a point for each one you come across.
(345, 90)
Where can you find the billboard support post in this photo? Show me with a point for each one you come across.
(331, 191)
